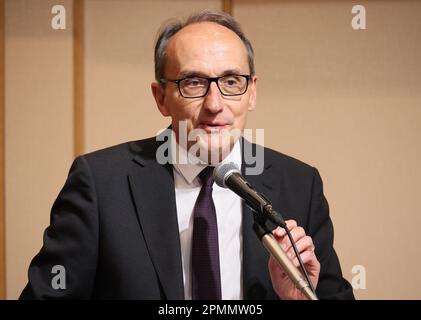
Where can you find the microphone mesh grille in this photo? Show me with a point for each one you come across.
(222, 171)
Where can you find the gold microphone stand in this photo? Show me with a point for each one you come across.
(270, 243)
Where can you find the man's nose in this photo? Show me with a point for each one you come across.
(212, 100)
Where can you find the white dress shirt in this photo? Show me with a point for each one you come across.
(229, 219)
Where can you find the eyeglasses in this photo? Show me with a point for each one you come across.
(198, 87)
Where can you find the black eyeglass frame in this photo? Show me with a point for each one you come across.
(210, 80)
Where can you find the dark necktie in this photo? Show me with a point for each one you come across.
(206, 278)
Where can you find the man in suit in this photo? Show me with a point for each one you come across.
(126, 226)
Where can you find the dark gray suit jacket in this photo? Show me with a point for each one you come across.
(114, 228)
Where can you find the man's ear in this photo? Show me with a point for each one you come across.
(252, 97)
(159, 95)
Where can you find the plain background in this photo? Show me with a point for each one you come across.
(345, 101)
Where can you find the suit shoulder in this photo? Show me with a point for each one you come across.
(121, 152)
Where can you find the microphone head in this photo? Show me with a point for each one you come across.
(222, 171)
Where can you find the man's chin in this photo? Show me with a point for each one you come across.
(213, 148)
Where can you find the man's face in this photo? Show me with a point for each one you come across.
(206, 50)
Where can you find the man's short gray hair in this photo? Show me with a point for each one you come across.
(170, 28)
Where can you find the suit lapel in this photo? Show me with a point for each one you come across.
(152, 186)
(256, 279)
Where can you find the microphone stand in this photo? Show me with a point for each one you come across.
(272, 245)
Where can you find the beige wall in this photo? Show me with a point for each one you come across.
(38, 128)
(345, 101)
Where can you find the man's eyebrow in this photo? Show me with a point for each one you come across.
(232, 72)
(191, 73)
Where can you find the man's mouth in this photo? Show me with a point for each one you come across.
(210, 127)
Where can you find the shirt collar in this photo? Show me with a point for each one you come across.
(189, 171)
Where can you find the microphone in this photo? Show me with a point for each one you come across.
(227, 175)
